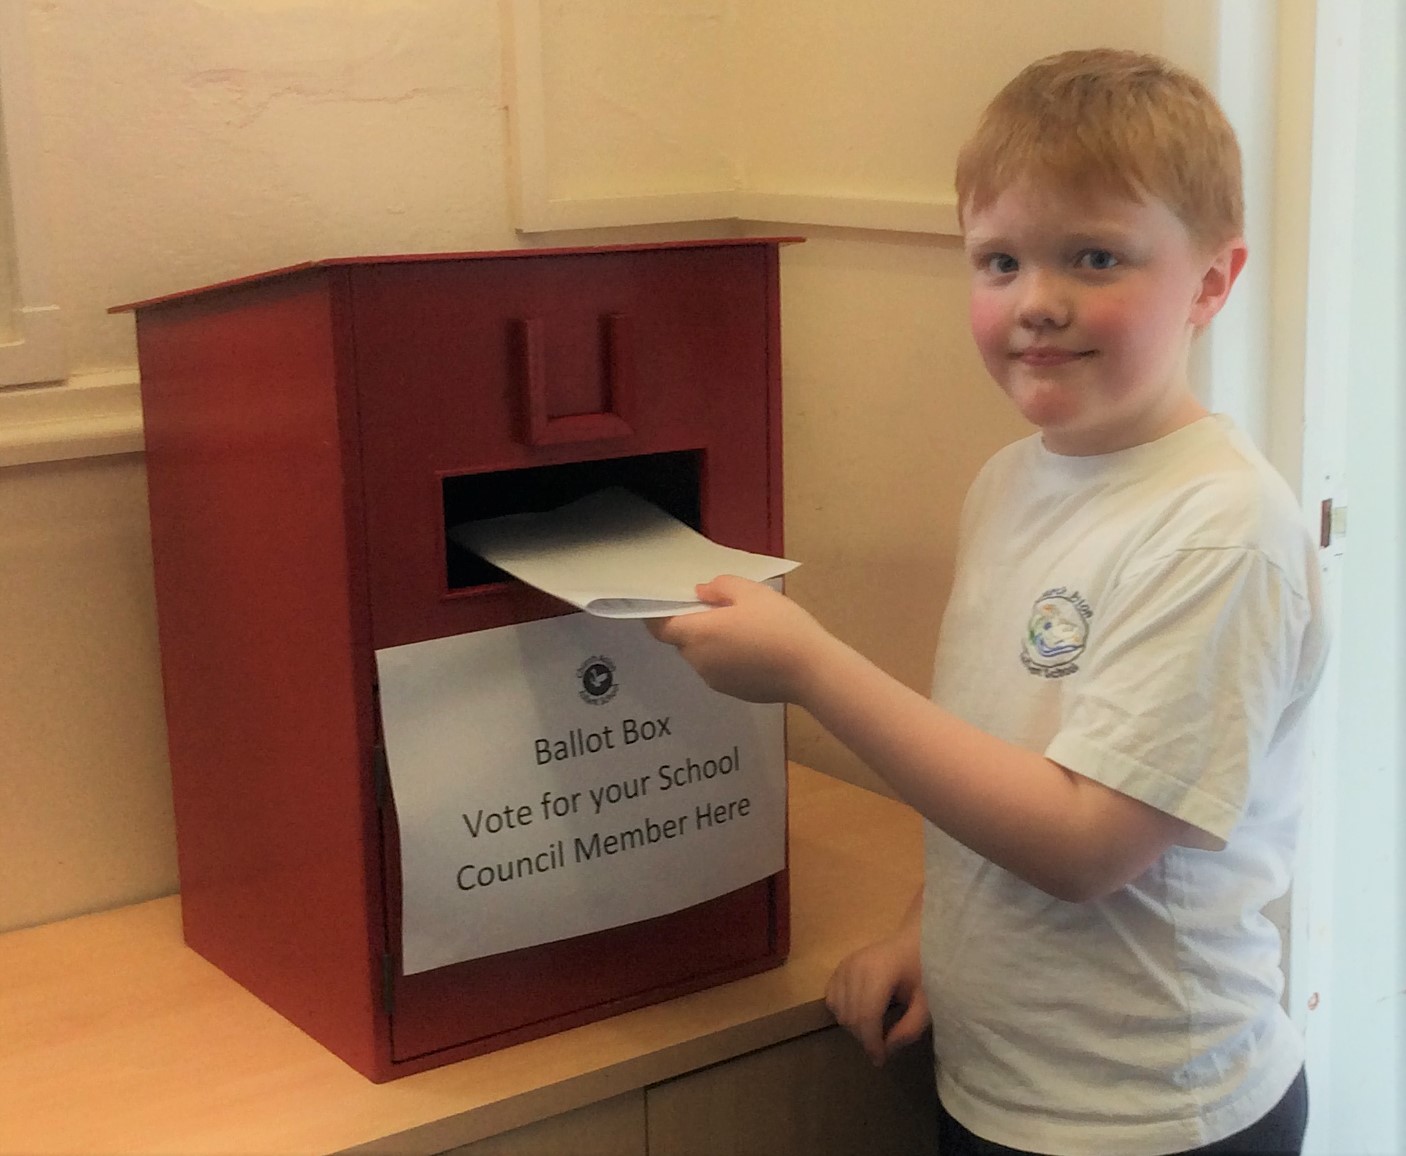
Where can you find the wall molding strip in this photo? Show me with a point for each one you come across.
(89, 415)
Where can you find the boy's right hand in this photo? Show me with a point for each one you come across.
(868, 981)
(755, 644)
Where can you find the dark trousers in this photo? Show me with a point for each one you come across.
(1278, 1133)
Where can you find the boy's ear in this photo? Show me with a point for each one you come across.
(1220, 275)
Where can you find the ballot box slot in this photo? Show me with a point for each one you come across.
(670, 480)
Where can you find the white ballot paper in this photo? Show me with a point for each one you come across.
(565, 776)
(612, 554)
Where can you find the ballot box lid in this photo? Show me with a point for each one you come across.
(408, 258)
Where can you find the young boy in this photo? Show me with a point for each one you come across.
(1111, 761)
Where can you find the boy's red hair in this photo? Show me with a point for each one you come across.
(1109, 121)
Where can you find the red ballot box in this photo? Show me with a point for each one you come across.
(311, 435)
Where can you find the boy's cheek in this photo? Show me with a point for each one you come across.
(988, 324)
(1104, 319)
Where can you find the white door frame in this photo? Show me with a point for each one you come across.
(1287, 362)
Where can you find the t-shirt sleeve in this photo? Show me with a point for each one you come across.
(1189, 667)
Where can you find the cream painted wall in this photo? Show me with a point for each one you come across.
(888, 416)
(85, 796)
(187, 141)
(853, 98)
(184, 141)
(640, 95)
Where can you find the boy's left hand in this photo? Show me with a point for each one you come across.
(755, 644)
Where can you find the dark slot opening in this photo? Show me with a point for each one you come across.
(670, 481)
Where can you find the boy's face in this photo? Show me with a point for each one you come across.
(1084, 307)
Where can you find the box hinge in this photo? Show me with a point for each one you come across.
(387, 983)
(1332, 523)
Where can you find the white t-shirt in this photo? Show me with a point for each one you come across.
(1149, 619)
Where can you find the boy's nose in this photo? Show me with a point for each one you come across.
(1043, 302)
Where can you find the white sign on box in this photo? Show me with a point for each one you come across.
(565, 776)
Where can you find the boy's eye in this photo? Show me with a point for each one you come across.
(1097, 259)
(1000, 264)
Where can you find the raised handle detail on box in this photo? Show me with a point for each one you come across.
(614, 420)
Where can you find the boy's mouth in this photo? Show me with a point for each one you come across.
(1050, 355)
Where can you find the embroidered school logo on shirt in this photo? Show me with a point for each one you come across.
(1056, 633)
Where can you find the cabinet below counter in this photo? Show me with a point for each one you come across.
(115, 1038)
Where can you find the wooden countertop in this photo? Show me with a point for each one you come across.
(116, 1038)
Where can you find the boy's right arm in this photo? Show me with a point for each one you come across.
(867, 982)
(1071, 836)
